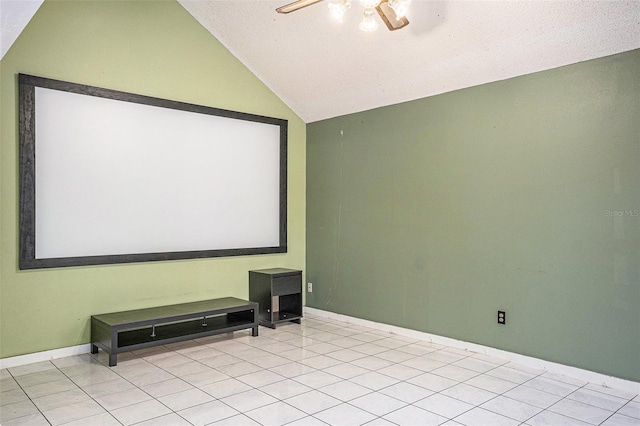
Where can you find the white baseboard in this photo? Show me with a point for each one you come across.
(19, 360)
(565, 370)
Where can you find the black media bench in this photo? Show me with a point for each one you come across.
(143, 328)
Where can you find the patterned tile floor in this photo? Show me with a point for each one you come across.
(321, 372)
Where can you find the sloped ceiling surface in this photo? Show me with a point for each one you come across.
(14, 16)
(324, 69)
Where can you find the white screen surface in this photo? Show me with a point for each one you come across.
(115, 177)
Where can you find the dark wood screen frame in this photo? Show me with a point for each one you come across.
(27, 170)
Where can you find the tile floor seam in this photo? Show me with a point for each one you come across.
(288, 404)
(27, 395)
(351, 405)
(320, 390)
(605, 420)
(538, 413)
(567, 415)
(605, 393)
(129, 405)
(626, 403)
(85, 392)
(42, 412)
(454, 417)
(495, 397)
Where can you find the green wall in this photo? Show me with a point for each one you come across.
(152, 48)
(521, 195)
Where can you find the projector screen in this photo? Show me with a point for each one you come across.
(114, 177)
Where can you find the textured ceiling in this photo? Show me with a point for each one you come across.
(323, 69)
(14, 16)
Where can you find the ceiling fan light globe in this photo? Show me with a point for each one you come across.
(369, 4)
(338, 8)
(368, 23)
(400, 7)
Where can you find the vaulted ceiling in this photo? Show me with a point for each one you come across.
(324, 69)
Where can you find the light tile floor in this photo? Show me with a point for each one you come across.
(317, 373)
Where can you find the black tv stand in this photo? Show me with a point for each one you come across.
(143, 328)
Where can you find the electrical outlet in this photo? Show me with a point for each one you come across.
(309, 287)
(502, 317)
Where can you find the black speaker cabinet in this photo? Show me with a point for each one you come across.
(278, 291)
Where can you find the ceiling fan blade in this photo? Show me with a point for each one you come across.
(388, 16)
(296, 5)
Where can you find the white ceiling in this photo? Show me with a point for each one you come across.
(324, 69)
(14, 16)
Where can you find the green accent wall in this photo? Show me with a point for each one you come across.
(521, 195)
(151, 48)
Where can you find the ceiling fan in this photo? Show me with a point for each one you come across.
(392, 12)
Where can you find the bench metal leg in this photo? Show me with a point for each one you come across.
(94, 349)
(254, 331)
(113, 360)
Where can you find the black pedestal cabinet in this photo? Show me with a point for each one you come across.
(278, 291)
